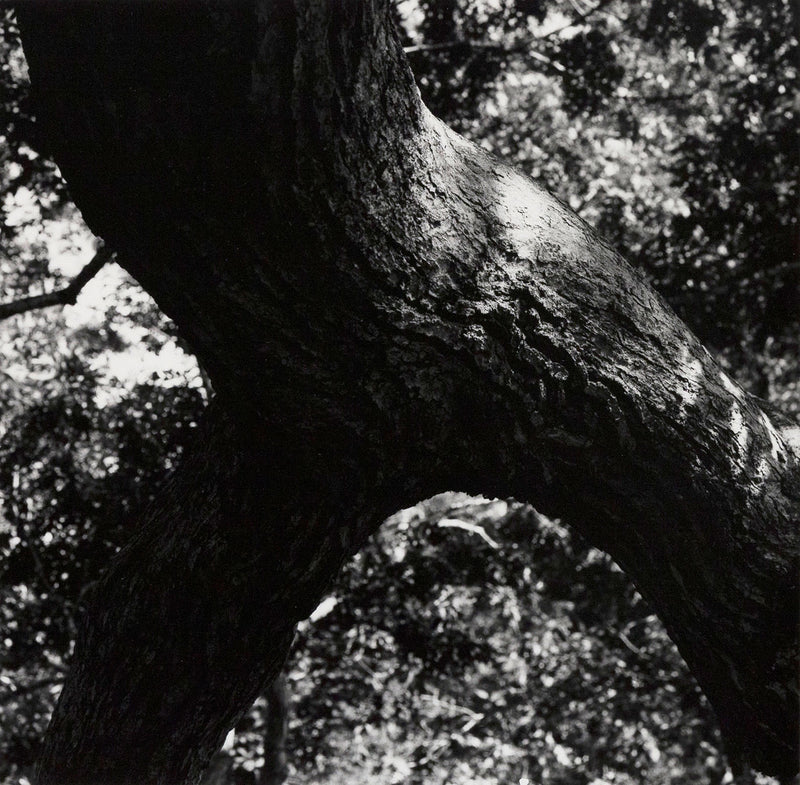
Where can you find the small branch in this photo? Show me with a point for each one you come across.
(518, 48)
(575, 5)
(472, 528)
(26, 689)
(443, 47)
(591, 194)
(576, 20)
(655, 98)
(490, 46)
(628, 644)
(66, 296)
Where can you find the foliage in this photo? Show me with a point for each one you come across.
(24, 168)
(478, 642)
(74, 464)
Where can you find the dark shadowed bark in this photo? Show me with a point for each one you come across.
(386, 311)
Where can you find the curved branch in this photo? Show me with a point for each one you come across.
(66, 296)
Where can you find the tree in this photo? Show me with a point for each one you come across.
(385, 312)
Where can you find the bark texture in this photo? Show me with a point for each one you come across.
(386, 312)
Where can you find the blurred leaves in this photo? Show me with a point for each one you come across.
(535, 658)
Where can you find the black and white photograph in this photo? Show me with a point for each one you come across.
(399, 392)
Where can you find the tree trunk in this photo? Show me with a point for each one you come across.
(275, 770)
(386, 312)
(276, 767)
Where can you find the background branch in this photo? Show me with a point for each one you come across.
(576, 20)
(468, 45)
(27, 689)
(66, 296)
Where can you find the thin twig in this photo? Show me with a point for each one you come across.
(443, 46)
(576, 20)
(26, 689)
(66, 296)
(472, 528)
(490, 46)
(629, 644)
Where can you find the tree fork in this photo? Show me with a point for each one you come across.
(389, 312)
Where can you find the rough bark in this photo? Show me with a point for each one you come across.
(386, 312)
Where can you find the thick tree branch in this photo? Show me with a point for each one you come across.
(66, 296)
